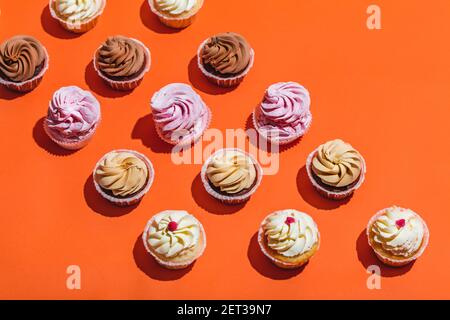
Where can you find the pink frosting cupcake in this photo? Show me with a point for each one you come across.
(284, 114)
(73, 117)
(180, 115)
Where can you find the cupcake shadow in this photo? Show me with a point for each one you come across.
(311, 196)
(100, 205)
(368, 258)
(53, 28)
(98, 85)
(200, 82)
(43, 141)
(265, 267)
(151, 21)
(6, 94)
(148, 265)
(145, 130)
(208, 203)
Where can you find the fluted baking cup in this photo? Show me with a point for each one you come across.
(135, 198)
(176, 22)
(72, 144)
(171, 264)
(231, 199)
(223, 82)
(398, 262)
(126, 85)
(334, 195)
(80, 26)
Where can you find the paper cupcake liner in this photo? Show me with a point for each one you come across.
(174, 22)
(281, 141)
(403, 262)
(223, 82)
(169, 264)
(31, 84)
(71, 144)
(123, 202)
(126, 85)
(279, 263)
(334, 195)
(230, 199)
(79, 27)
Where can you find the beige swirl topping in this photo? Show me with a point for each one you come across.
(291, 233)
(337, 164)
(231, 172)
(122, 173)
(173, 232)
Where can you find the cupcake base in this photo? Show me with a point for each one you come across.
(176, 22)
(71, 144)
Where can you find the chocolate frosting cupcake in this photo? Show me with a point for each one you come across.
(21, 58)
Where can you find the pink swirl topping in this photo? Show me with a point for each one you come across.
(179, 112)
(284, 111)
(73, 113)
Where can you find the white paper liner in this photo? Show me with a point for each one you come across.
(77, 27)
(128, 84)
(231, 199)
(223, 82)
(279, 263)
(175, 22)
(334, 195)
(123, 202)
(31, 84)
(170, 264)
(397, 262)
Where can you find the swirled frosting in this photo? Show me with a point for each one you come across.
(399, 232)
(72, 113)
(290, 233)
(75, 11)
(284, 111)
(172, 233)
(231, 172)
(337, 164)
(121, 57)
(175, 7)
(122, 173)
(179, 112)
(20, 58)
(226, 53)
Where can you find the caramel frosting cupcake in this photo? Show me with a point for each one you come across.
(336, 169)
(174, 238)
(123, 177)
(289, 238)
(397, 235)
(232, 176)
(176, 14)
(23, 62)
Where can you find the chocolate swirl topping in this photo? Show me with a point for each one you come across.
(21, 58)
(121, 57)
(226, 54)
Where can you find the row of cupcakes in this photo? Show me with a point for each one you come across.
(289, 238)
(122, 62)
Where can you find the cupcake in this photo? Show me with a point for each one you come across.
(123, 177)
(23, 63)
(336, 169)
(77, 16)
(398, 236)
(174, 238)
(122, 62)
(231, 176)
(225, 59)
(176, 14)
(289, 238)
(284, 115)
(72, 118)
(180, 115)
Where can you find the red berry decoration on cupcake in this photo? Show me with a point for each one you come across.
(400, 223)
(173, 226)
(289, 220)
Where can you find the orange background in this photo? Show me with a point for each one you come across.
(386, 92)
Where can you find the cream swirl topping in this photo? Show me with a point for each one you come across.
(231, 172)
(399, 232)
(78, 10)
(175, 7)
(173, 232)
(291, 233)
